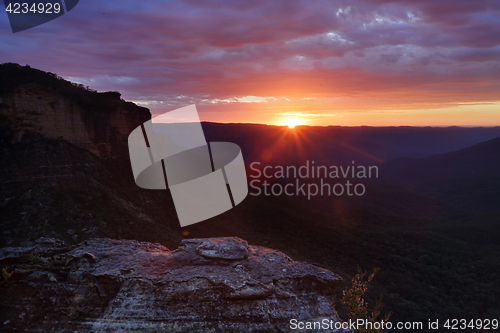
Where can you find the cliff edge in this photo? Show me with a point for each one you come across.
(206, 285)
(64, 168)
(33, 101)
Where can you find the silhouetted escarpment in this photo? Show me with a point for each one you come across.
(207, 285)
(33, 101)
(64, 169)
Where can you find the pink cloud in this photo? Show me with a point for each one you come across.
(442, 52)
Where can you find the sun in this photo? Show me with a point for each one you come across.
(291, 123)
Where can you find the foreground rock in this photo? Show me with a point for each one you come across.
(207, 285)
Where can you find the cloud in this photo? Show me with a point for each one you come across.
(385, 52)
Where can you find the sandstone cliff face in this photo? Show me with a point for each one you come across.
(34, 107)
(51, 188)
(207, 285)
(64, 169)
(50, 130)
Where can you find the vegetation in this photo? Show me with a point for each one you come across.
(438, 267)
(5, 275)
(356, 306)
(437, 261)
(36, 258)
(13, 75)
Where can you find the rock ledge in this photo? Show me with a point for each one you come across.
(207, 285)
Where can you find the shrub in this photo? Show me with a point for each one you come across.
(357, 307)
(5, 275)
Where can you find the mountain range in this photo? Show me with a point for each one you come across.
(429, 221)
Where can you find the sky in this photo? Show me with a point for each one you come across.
(349, 63)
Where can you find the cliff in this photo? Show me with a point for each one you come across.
(207, 285)
(64, 169)
(33, 101)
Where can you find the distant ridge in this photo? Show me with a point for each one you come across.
(341, 145)
(468, 178)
